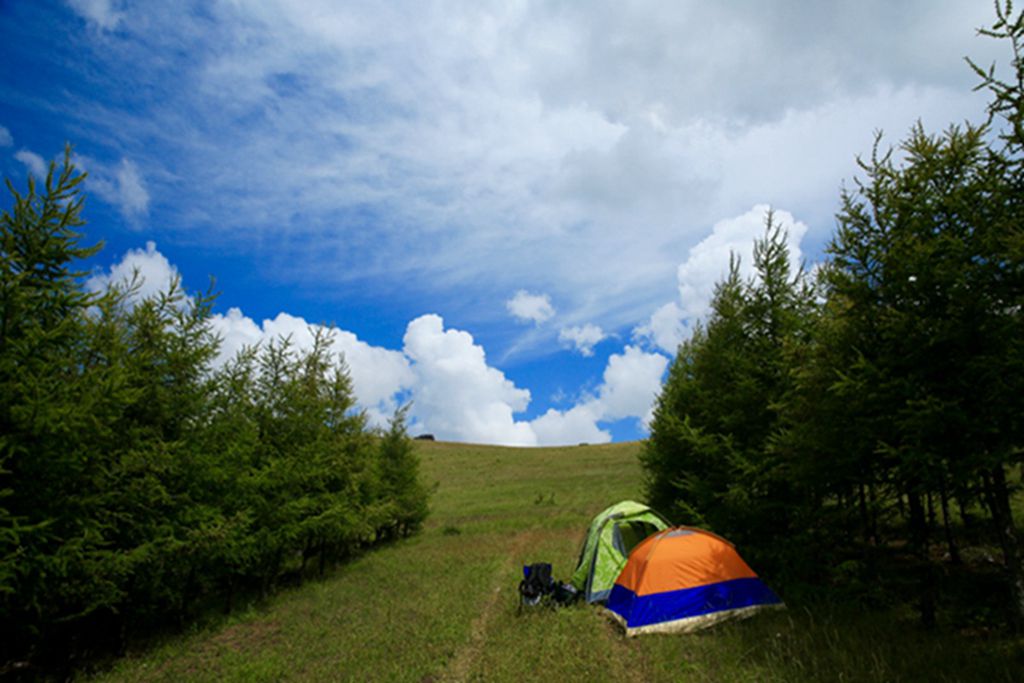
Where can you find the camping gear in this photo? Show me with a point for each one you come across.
(537, 588)
(565, 594)
(612, 534)
(684, 579)
(536, 583)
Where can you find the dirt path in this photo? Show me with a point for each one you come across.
(460, 665)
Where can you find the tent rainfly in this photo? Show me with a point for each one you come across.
(685, 579)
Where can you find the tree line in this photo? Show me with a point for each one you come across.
(860, 427)
(140, 485)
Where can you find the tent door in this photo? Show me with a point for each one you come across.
(628, 535)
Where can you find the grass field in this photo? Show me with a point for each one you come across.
(442, 605)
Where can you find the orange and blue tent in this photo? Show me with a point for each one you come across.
(684, 579)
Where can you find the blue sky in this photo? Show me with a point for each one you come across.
(512, 211)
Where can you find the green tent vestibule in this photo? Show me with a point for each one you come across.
(612, 534)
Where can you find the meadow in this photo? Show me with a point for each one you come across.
(442, 606)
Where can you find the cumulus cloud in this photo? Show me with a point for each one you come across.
(527, 307)
(236, 331)
(630, 384)
(456, 393)
(155, 273)
(458, 396)
(123, 186)
(35, 164)
(576, 425)
(665, 328)
(379, 376)
(5, 137)
(632, 380)
(708, 263)
(101, 13)
(584, 338)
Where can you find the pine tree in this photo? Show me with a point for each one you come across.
(919, 278)
(709, 460)
(54, 564)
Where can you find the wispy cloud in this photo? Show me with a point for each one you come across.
(583, 148)
(121, 186)
(101, 13)
(33, 162)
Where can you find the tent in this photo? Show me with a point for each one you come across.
(612, 534)
(685, 579)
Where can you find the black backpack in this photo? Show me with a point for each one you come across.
(536, 584)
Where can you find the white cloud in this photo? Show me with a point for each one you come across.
(378, 375)
(133, 198)
(102, 13)
(583, 338)
(154, 270)
(33, 162)
(527, 307)
(456, 395)
(636, 126)
(665, 328)
(123, 186)
(5, 137)
(236, 330)
(708, 263)
(576, 425)
(631, 382)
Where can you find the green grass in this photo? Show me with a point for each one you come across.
(442, 605)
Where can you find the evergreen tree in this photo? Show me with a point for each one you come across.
(1005, 282)
(708, 460)
(920, 274)
(400, 480)
(57, 565)
(136, 481)
(857, 422)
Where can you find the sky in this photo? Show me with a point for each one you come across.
(511, 212)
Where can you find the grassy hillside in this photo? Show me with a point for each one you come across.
(442, 606)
